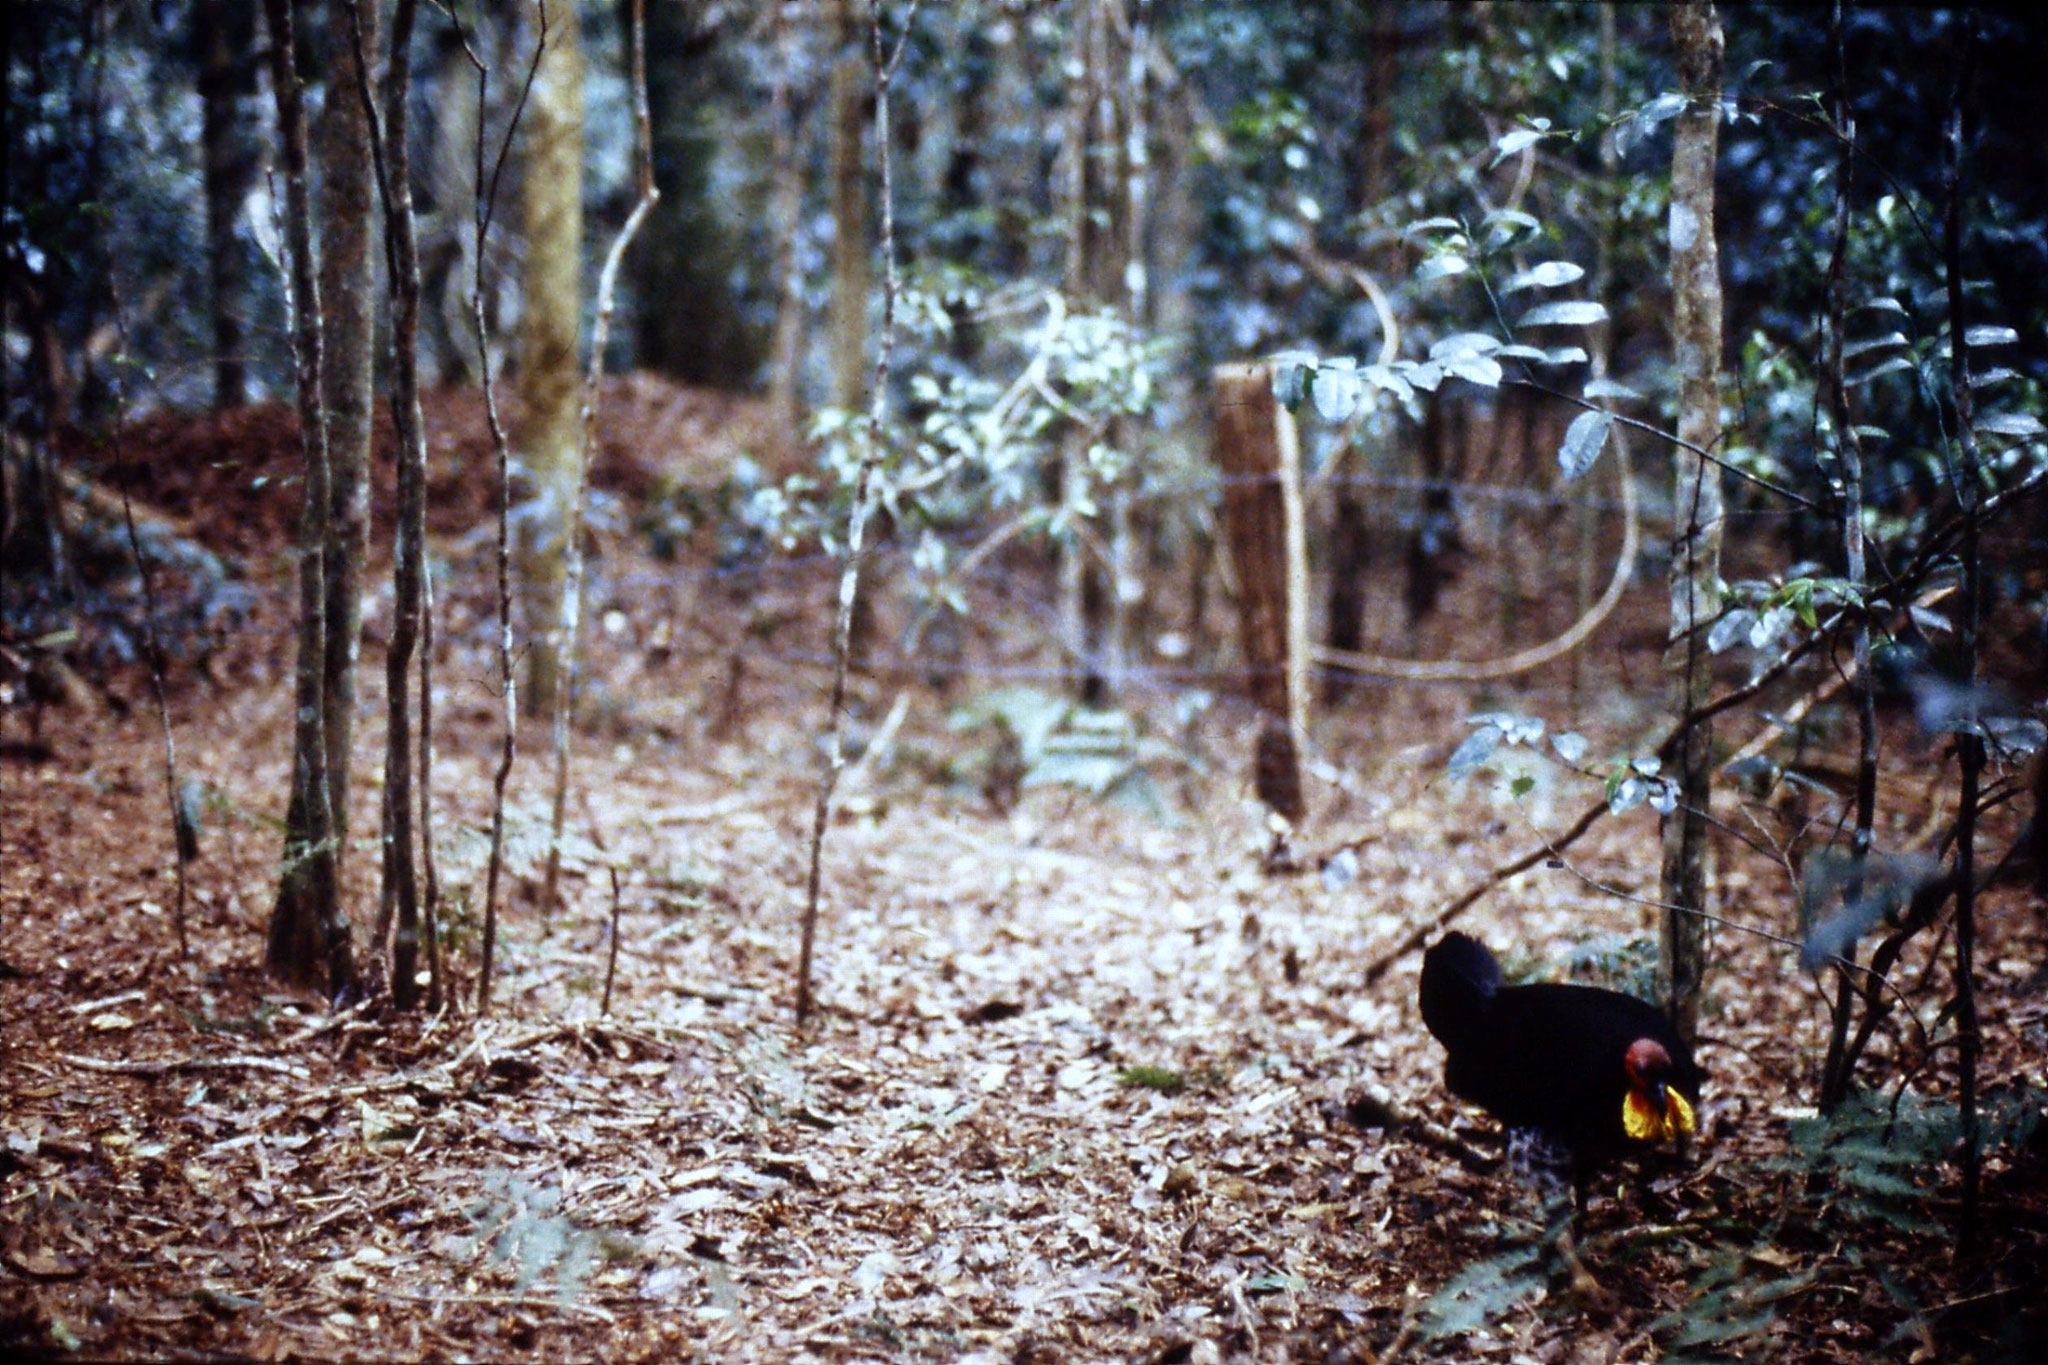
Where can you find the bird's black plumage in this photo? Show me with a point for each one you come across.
(1555, 1058)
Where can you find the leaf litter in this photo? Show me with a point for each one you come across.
(1089, 1083)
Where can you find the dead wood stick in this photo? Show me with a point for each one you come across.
(327, 1025)
(169, 1066)
(611, 965)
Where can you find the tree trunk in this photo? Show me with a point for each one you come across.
(1351, 527)
(1697, 507)
(1600, 341)
(689, 323)
(447, 228)
(227, 78)
(550, 433)
(1966, 475)
(348, 318)
(1100, 181)
(307, 924)
(1257, 450)
(785, 222)
(1849, 457)
(409, 588)
(851, 273)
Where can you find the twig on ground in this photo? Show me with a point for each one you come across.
(171, 1065)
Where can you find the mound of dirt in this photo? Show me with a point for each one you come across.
(230, 480)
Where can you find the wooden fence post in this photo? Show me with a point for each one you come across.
(1261, 461)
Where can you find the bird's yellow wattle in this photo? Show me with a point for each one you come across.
(1645, 1122)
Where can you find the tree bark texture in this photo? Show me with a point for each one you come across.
(1351, 528)
(1835, 1068)
(785, 222)
(852, 273)
(1966, 478)
(549, 382)
(226, 39)
(1261, 461)
(1697, 505)
(348, 317)
(409, 567)
(307, 923)
(1101, 176)
(690, 325)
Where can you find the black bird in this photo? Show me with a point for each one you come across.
(1587, 1073)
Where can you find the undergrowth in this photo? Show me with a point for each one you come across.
(1850, 1189)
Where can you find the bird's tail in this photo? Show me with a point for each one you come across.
(1459, 978)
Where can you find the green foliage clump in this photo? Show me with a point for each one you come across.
(1870, 1159)
(1162, 1079)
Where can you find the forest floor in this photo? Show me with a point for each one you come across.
(1091, 1078)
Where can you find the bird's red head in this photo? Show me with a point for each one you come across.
(1652, 1111)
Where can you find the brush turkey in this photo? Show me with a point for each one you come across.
(1576, 1072)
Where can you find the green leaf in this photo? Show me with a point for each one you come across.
(1514, 220)
(2017, 424)
(1441, 267)
(1432, 225)
(1583, 442)
(1667, 105)
(1473, 753)
(1890, 365)
(1548, 275)
(1464, 343)
(1518, 140)
(1336, 393)
(1732, 626)
(1482, 1293)
(1290, 381)
(1390, 380)
(1987, 334)
(1266, 1284)
(1564, 313)
(1856, 348)
(1702, 1331)
(1482, 370)
(1608, 388)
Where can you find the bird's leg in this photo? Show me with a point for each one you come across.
(1560, 1217)
(1560, 1198)
(1583, 1283)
